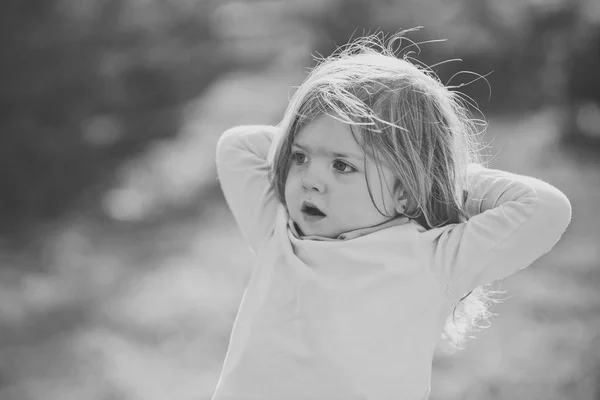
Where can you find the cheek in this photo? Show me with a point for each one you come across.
(381, 190)
(354, 198)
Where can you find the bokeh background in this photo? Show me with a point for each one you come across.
(121, 268)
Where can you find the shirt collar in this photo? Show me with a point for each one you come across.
(348, 235)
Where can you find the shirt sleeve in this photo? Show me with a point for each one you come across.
(243, 172)
(513, 221)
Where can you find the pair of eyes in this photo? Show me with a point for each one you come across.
(339, 165)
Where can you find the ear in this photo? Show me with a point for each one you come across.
(401, 198)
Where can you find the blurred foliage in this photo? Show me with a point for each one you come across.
(87, 84)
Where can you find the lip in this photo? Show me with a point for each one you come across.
(310, 217)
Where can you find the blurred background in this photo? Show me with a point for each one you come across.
(121, 268)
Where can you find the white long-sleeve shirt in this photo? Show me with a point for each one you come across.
(359, 317)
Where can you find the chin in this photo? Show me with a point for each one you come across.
(306, 231)
(322, 234)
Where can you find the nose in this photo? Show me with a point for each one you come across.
(313, 180)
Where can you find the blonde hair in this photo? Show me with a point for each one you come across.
(401, 115)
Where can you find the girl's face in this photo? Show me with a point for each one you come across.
(326, 188)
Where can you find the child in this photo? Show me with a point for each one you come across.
(370, 222)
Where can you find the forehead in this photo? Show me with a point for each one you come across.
(329, 134)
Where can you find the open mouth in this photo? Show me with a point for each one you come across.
(311, 211)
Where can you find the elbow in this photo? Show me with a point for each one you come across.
(565, 211)
(253, 138)
(229, 143)
(228, 138)
(559, 210)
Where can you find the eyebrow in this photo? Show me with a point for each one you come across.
(333, 153)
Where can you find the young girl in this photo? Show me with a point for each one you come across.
(370, 222)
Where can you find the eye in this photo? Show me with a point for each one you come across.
(342, 167)
(299, 158)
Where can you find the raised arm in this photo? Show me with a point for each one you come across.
(243, 171)
(514, 220)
